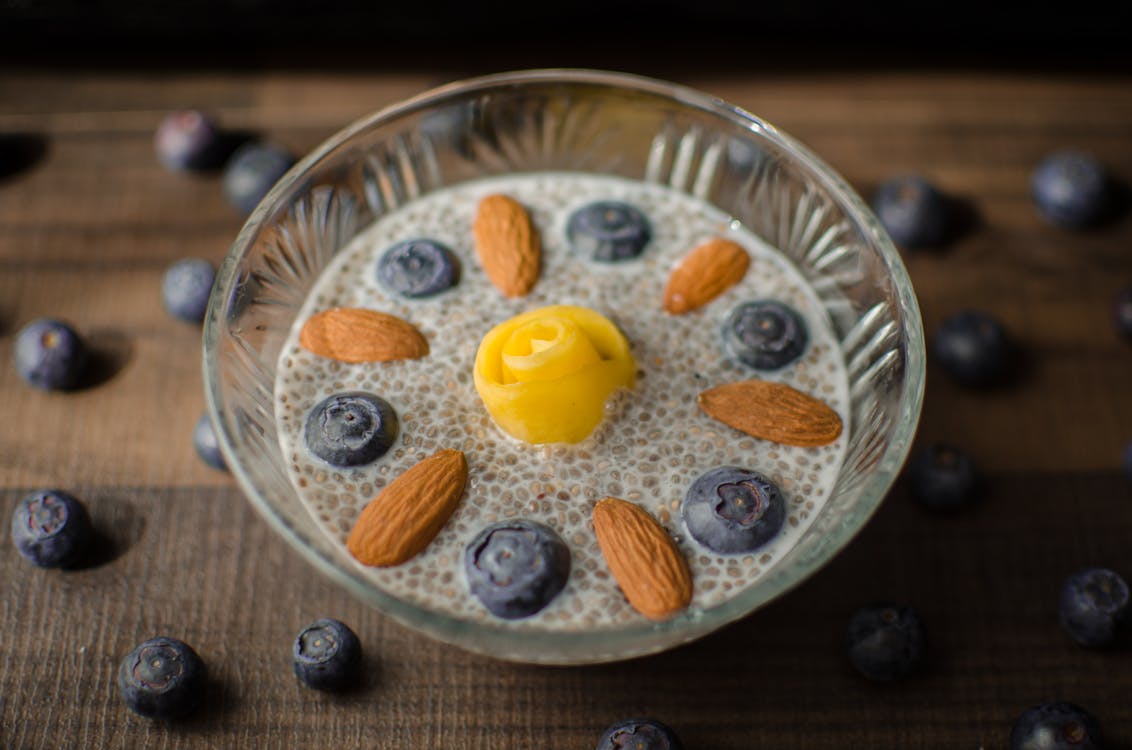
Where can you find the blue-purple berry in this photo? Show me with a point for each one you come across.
(1056, 726)
(765, 334)
(1122, 312)
(252, 171)
(187, 139)
(418, 268)
(973, 348)
(206, 444)
(163, 678)
(50, 355)
(1128, 461)
(1071, 189)
(351, 429)
(608, 231)
(51, 528)
(639, 734)
(327, 655)
(732, 510)
(942, 477)
(885, 642)
(186, 287)
(1093, 608)
(516, 568)
(913, 211)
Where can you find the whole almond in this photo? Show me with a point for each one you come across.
(644, 559)
(405, 516)
(772, 411)
(350, 334)
(507, 245)
(704, 274)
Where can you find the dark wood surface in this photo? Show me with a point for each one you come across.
(91, 221)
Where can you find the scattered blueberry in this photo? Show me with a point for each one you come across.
(639, 734)
(1093, 608)
(327, 655)
(206, 444)
(885, 641)
(608, 231)
(51, 528)
(515, 568)
(186, 139)
(252, 171)
(163, 678)
(418, 268)
(943, 477)
(50, 355)
(765, 334)
(1055, 726)
(185, 288)
(1070, 189)
(1122, 312)
(913, 211)
(732, 510)
(1128, 461)
(350, 429)
(972, 347)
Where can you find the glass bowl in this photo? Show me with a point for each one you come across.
(593, 122)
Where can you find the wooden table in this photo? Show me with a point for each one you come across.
(88, 228)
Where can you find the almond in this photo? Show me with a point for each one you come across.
(772, 411)
(644, 559)
(507, 245)
(704, 274)
(405, 516)
(354, 335)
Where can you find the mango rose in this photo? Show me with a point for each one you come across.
(545, 375)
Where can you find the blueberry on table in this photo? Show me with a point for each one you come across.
(327, 655)
(913, 211)
(972, 347)
(942, 477)
(185, 288)
(351, 429)
(186, 139)
(639, 734)
(418, 268)
(764, 334)
(50, 355)
(1093, 608)
(51, 528)
(885, 641)
(1056, 726)
(1122, 312)
(732, 510)
(206, 444)
(1070, 188)
(516, 568)
(163, 678)
(1128, 461)
(252, 171)
(608, 231)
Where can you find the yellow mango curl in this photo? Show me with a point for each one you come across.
(545, 375)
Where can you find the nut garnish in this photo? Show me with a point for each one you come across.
(704, 274)
(507, 245)
(644, 559)
(354, 335)
(405, 516)
(772, 411)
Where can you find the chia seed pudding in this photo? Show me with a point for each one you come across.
(653, 443)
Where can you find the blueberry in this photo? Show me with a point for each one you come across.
(252, 171)
(1070, 189)
(1128, 461)
(51, 528)
(639, 734)
(50, 355)
(163, 678)
(418, 268)
(608, 231)
(913, 211)
(186, 139)
(765, 334)
(350, 429)
(185, 288)
(1122, 312)
(1055, 726)
(206, 444)
(732, 510)
(1093, 608)
(515, 568)
(885, 641)
(942, 477)
(327, 655)
(972, 347)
